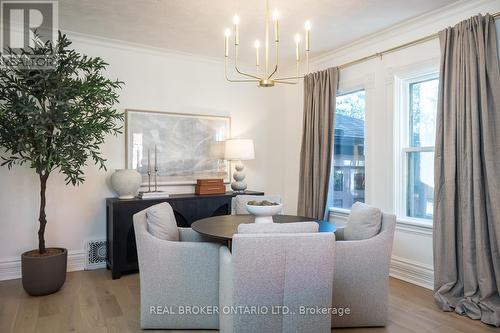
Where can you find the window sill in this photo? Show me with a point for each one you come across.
(339, 211)
(413, 225)
(422, 223)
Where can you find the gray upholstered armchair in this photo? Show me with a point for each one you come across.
(266, 270)
(176, 274)
(361, 277)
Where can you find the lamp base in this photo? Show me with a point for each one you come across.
(239, 185)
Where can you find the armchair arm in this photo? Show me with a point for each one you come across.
(171, 260)
(225, 289)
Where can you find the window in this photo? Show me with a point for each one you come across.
(418, 136)
(347, 183)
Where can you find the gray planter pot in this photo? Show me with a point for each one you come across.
(44, 275)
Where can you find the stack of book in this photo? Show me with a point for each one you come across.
(210, 186)
(153, 195)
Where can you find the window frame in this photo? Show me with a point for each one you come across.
(342, 92)
(402, 141)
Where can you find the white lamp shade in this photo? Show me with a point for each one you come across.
(239, 150)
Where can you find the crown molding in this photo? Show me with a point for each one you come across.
(139, 48)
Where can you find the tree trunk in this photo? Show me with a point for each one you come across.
(42, 217)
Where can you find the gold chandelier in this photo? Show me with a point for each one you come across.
(267, 78)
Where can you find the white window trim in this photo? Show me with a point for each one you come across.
(402, 83)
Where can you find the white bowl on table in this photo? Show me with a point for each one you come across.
(264, 214)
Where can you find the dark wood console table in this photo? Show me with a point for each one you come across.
(188, 208)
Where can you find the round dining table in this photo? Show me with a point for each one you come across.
(225, 226)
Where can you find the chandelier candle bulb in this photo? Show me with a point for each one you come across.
(307, 25)
(236, 21)
(276, 25)
(257, 55)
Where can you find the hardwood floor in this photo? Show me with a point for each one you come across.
(91, 302)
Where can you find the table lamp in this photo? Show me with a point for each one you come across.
(239, 150)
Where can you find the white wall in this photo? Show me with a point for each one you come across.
(154, 80)
(412, 255)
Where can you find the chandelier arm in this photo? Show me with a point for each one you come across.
(307, 61)
(267, 42)
(230, 80)
(286, 82)
(289, 78)
(236, 65)
(233, 80)
(277, 60)
(246, 74)
(274, 71)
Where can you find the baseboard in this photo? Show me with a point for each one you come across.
(401, 268)
(413, 272)
(11, 268)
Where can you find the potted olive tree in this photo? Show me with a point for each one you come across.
(53, 119)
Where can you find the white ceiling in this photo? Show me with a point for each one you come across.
(196, 26)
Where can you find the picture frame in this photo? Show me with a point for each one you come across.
(188, 146)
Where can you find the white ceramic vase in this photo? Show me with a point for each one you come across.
(264, 214)
(126, 183)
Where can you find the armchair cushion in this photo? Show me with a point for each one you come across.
(161, 222)
(363, 222)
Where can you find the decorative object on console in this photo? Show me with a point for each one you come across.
(239, 150)
(264, 210)
(210, 186)
(126, 183)
(188, 146)
(266, 79)
(153, 194)
(54, 119)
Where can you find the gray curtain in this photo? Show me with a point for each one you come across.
(320, 90)
(467, 172)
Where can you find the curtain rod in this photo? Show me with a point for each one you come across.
(397, 48)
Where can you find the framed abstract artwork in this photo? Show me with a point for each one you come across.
(186, 147)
